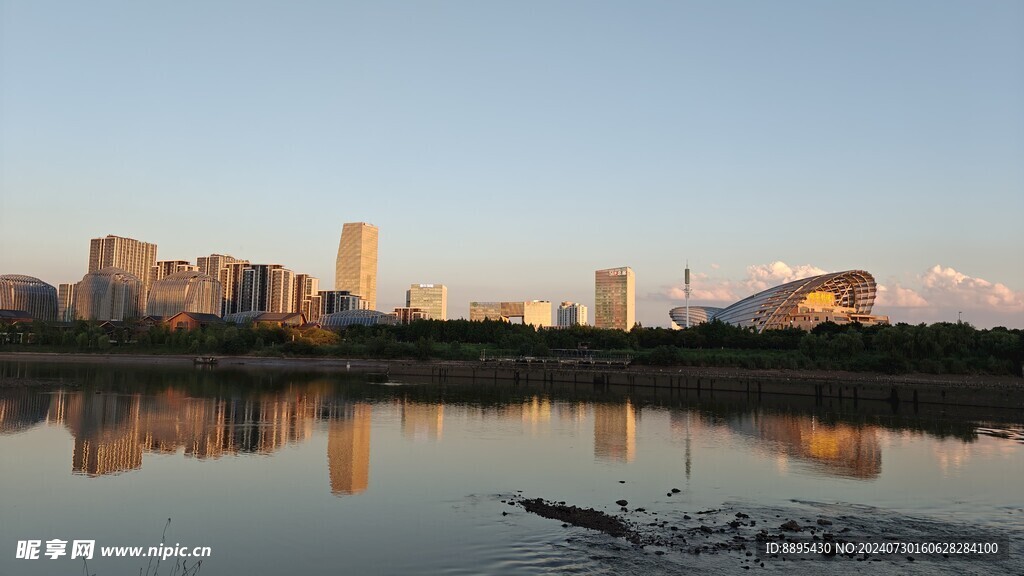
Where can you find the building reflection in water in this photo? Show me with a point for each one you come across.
(615, 432)
(112, 432)
(22, 408)
(422, 422)
(348, 449)
(836, 449)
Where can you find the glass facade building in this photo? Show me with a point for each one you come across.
(615, 298)
(186, 291)
(356, 267)
(357, 317)
(28, 294)
(431, 298)
(109, 294)
(840, 297)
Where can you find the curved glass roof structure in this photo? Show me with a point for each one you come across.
(185, 291)
(698, 315)
(108, 294)
(357, 317)
(852, 290)
(28, 294)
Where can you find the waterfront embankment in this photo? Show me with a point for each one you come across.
(1005, 392)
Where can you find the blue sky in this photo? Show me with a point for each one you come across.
(509, 149)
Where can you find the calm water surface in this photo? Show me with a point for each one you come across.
(285, 472)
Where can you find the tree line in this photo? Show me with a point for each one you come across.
(941, 348)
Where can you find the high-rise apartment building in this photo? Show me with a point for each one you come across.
(133, 256)
(66, 302)
(282, 291)
(255, 295)
(356, 267)
(615, 298)
(332, 301)
(571, 314)
(230, 276)
(430, 298)
(211, 265)
(164, 268)
(306, 300)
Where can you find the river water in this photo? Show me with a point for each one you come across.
(288, 472)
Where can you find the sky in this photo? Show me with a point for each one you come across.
(510, 149)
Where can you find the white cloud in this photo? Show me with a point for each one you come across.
(899, 297)
(947, 287)
(764, 276)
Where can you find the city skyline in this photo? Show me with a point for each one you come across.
(729, 134)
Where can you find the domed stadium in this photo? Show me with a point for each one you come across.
(839, 297)
(356, 318)
(28, 294)
(185, 291)
(698, 315)
(108, 294)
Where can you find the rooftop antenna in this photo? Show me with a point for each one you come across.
(686, 291)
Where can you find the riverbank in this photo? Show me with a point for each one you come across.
(965, 390)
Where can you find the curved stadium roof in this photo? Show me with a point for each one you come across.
(769, 309)
(698, 315)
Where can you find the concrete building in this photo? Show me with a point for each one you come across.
(615, 298)
(28, 294)
(185, 291)
(133, 256)
(332, 301)
(230, 277)
(535, 312)
(257, 287)
(571, 314)
(211, 265)
(109, 294)
(282, 291)
(431, 298)
(66, 302)
(407, 315)
(306, 299)
(356, 266)
(164, 268)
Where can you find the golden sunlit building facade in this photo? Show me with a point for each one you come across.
(356, 267)
(615, 298)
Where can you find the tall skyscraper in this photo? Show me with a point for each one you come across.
(571, 314)
(356, 267)
(133, 256)
(431, 298)
(615, 298)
